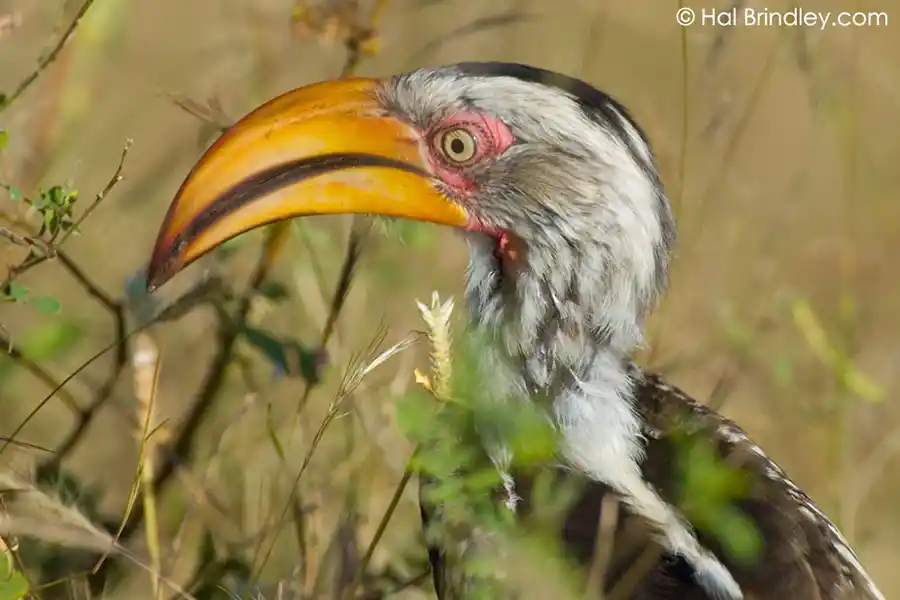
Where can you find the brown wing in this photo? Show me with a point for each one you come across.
(804, 556)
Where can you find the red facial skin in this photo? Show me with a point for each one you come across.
(492, 138)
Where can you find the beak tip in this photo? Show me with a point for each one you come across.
(152, 285)
(154, 279)
(163, 266)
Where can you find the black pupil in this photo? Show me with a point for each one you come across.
(457, 146)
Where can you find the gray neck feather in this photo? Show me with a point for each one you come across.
(565, 322)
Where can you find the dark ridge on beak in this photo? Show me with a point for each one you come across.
(253, 187)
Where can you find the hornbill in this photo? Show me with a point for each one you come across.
(555, 190)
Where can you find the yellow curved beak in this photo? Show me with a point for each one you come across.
(328, 148)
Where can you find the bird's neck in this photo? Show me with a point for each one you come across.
(574, 357)
(560, 342)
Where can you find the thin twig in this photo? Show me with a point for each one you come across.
(639, 569)
(352, 254)
(720, 175)
(146, 363)
(354, 376)
(39, 373)
(50, 250)
(85, 416)
(307, 459)
(63, 383)
(27, 264)
(25, 240)
(182, 448)
(603, 546)
(101, 196)
(397, 588)
(46, 61)
(382, 526)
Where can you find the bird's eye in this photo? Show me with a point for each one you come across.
(458, 145)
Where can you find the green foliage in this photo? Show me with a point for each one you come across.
(274, 291)
(288, 356)
(47, 340)
(218, 572)
(450, 435)
(710, 489)
(16, 292)
(412, 234)
(833, 354)
(51, 339)
(70, 490)
(13, 585)
(14, 194)
(458, 475)
(54, 206)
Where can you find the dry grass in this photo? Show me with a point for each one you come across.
(776, 147)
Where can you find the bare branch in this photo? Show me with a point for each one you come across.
(46, 61)
(25, 240)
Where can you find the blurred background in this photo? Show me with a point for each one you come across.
(779, 149)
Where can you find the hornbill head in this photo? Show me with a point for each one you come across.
(551, 179)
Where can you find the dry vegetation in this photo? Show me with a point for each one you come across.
(219, 448)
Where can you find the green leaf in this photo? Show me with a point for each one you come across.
(4, 138)
(13, 585)
(46, 304)
(16, 292)
(783, 370)
(739, 535)
(14, 194)
(227, 248)
(50, 339)
(415, 414)
(711, 491)
(274, 291)
(289, 357)
(413, 235)
(534, 440)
